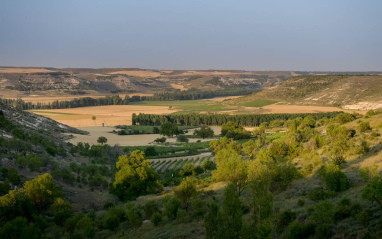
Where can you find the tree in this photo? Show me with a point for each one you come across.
(61, 210)
(42, 191)
(373, 190)
(231, 167)
(168, 129)
(249, 148)
(229, 217)
(102, 140)
(94, 118)
(13, 176)
(135, 176)
(235, 131)
(204, 132)
(260, 179)
(211, 221)
(185, 191)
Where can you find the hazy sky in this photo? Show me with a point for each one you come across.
(192, 34)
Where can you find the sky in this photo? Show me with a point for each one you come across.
(310, 35)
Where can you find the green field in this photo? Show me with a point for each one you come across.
(187, 105)
(258, 103)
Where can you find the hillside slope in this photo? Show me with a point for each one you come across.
(350, 92)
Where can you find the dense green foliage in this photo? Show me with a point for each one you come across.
(219, 119)
(135, 177)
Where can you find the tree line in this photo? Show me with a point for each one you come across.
(249, 120)
(117, 100)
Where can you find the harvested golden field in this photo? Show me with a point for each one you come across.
(137, 73)
(108, 115)
(23, 70)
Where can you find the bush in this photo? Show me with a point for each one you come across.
(156, 218)
(298, 230)
(151, 151)
(319, 194)
(108, 205)
(285, 218)
(335, 179)
(160, 140)
(150, 208)
(182, 138)
(171, 207)
(301, 202)
(133, 214)
(364, 127)
(111, 222)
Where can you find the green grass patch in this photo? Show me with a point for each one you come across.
(276, 136)
(258, 103)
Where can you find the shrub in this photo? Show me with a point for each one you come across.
(319, 194)
(150, 208)
(335, 179)
(182, 138)
(171, 207)
(301, 202)
(133, 214)
(285, 218)
(160, 140)
(108, 205)
(111, 222)
(156, 218)
(151, 151)
(299, 230)
(364, 127)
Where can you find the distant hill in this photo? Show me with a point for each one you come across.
(23, 81)
(346, 91)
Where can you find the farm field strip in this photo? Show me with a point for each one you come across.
(178, 163)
